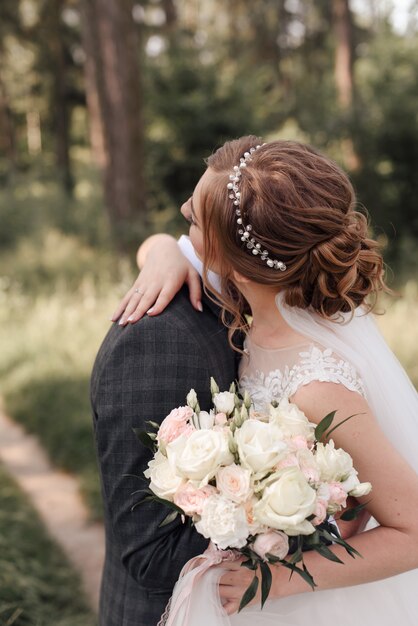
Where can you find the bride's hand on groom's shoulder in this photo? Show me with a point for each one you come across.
(164, 270)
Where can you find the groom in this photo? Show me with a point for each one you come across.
(142, 371)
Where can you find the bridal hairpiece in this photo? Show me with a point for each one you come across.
(245, 230)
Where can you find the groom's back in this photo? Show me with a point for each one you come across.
(143, 371)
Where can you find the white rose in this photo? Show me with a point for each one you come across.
(351, 482)
(308, 465)
(335, 464)
(362, 489)
(224, 522)
(206, 420)
(291, 420)
(198, 456)
(261, 416)
(164, 482)
(233, 482)
(224, 402)
(286, 502)
(260, 445)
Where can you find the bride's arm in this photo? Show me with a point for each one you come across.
(163, 271)
(388, 550)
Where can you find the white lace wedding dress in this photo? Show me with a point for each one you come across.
(354, 355)
(272, 374)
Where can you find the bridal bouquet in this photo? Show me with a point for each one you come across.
(263, 484)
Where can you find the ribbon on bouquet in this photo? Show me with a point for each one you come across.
(191, 573)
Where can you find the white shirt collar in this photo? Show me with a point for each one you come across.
(187, 249)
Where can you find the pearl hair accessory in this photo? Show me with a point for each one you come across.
(245, 230)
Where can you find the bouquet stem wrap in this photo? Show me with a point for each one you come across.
(185, 601)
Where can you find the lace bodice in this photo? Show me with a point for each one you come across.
(271, 374)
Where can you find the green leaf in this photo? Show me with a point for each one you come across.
(146, 499)
(351, 514)
(153, 424)
(312, 540)
(134, 476)
(340, 541)
(249, 564)
(342, 422)
(324, 551)
(213, 386)
(144, 438)
(266, 580)
(170, 505)
(272, 558)
(303, 573)
(249, 593)
(296, 556)
(323, 425)
(170, 518)
(148, 491)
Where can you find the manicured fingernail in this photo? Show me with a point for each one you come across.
(121, 321)
(150, 310)
(199, 306)
(130, 318)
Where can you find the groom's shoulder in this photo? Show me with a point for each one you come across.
(180, 316)
(178, 322)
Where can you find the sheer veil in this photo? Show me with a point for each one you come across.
(389, 391)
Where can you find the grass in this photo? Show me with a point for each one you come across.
(37, 585)
(49, 341)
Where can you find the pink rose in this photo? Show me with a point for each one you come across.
(233, 481)
(320, 511)
(175, 424)
(220, 419)
(191, 499)
(273, 542)
(337, 495)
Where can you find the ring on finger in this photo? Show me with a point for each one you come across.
(139, 292)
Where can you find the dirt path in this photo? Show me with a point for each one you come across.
(56, 497)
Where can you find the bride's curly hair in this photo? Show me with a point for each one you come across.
(301, 206)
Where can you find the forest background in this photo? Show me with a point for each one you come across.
(107, 110)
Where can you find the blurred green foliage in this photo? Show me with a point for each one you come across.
(37, 585)
(209, 75)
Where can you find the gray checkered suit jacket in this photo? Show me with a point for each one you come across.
(141, 372)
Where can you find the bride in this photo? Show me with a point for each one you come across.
(279, 238)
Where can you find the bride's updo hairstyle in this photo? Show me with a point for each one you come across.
(301, 207)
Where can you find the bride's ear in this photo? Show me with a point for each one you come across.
(239, 278)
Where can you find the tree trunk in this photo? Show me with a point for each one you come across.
(115, 59)
(343, 30)
(91, 69)
(7, 132)
(61, 113)
(170, 11)
(344, 71)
